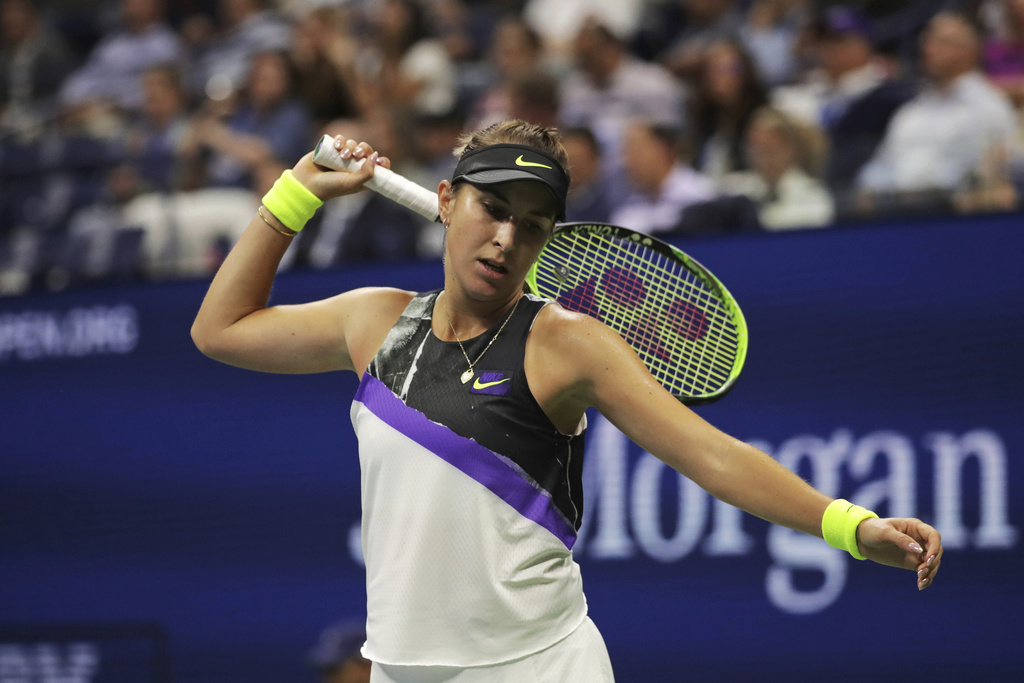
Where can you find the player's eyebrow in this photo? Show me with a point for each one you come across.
(498, 195)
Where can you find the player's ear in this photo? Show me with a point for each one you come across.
(445, 200)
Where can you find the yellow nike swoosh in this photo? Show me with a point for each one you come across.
(520, 162)
(478, 385)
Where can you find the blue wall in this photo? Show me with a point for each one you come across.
(160, 510)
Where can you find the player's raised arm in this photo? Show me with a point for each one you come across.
(234, 324)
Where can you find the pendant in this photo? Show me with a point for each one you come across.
(467, 375)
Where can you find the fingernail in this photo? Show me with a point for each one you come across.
(914, 547)
(921, 571)
(922, 584)
(374, 158)
(929, 563)
(337, 144)
(346, 153)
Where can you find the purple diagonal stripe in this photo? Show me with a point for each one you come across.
(482, 464)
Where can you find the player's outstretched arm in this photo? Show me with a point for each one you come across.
(595, 367)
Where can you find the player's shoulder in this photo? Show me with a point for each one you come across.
(563, 331)
(372, 308)
(571, 355)
(384, 299)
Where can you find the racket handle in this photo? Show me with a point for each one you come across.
(384, 181)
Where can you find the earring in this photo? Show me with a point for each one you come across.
(447, 222)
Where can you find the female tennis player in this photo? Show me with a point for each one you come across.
(470, 420)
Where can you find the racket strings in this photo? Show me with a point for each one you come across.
(676, 323)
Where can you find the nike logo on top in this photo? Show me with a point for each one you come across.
(492, 383)
(520, 162)
(483, 385)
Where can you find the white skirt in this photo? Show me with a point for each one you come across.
(581, 657)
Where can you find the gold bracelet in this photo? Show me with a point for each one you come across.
(289, 233)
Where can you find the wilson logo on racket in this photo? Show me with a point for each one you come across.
(626, 289)
(678, 317)
(520, 162)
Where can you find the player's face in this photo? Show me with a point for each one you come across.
(495, 234)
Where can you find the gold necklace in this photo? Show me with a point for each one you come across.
(468, 374)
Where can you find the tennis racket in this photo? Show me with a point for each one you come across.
(678, 317)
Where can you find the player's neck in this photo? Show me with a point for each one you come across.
(469, 317)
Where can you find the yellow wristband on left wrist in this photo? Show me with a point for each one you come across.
(291, 202)
(839, 525)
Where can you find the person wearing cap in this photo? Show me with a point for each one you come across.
(470, 417)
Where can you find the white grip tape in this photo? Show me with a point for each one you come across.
(384, 181)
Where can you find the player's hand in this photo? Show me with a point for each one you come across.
(902, 542)
(327, 184)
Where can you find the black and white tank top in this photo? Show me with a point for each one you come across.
(471, 499)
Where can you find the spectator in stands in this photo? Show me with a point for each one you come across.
(430, 142)
(771, 33)
(336, 656)
(154, 139)
(588, 198)
(729, 89)
(1004, 51)
(412, 66)
(535, 96)
(661, 184)
(111, 75)
(707, 22)
(785, 157)
(98, 232)
(515, 49)
(324, 52)
(464, 31)
(937, 141)
(188, 233)
(609, 87)
(269, 123)
(1004, 65)
(897, 26)
(559, 22)
(33, 64)
(246, 27)
(852, 94)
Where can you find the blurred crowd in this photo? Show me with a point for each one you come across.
(137, 136)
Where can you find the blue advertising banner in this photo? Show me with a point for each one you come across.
(165, 517)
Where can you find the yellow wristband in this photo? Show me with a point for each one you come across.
(839, 525)
(291, 202)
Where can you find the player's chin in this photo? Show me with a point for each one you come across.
(497, 283)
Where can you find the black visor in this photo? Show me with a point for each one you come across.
(506, 162)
